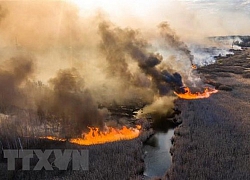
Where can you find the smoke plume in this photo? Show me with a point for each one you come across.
(173, 41)
(119, 44)
(64, 61)
(119, 65)
(161, 107)
(71, 103)
(13, 73)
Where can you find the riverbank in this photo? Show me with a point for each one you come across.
(213, 141)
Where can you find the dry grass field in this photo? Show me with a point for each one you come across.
(213, 141)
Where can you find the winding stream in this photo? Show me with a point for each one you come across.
(157, 156)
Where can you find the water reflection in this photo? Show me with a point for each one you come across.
(158, 158)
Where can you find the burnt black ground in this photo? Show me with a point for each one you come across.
(213, 141)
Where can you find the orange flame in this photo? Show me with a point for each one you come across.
(189, 95)
(194, 66)
(95, 136)
(53, 138)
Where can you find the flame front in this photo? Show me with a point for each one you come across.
(198, 95)
(95, 136)
(53, 138)
(194, 66)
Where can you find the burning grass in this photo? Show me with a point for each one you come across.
(106, 64)
(197, 95)
(110, 160)
(213, 142)
(95, 136)
(107, 161)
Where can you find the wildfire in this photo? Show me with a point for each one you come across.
(53, 138)
(194, 66)
(95, 136)
(198, 95)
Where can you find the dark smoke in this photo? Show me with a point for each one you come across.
(128, 43)
(13, 73)
(67, 102)
(114, 52)
(174, 42)
(3, 13)
(118, 65)
(71, 104)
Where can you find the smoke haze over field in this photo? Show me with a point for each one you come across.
(188, 17)
(85, 53)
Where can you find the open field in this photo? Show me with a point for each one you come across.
(115, 160)
(106, 76)
(213, 141)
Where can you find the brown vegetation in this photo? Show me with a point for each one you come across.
(213, 142)
(116, 160)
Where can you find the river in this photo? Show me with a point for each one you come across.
(157, 156)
